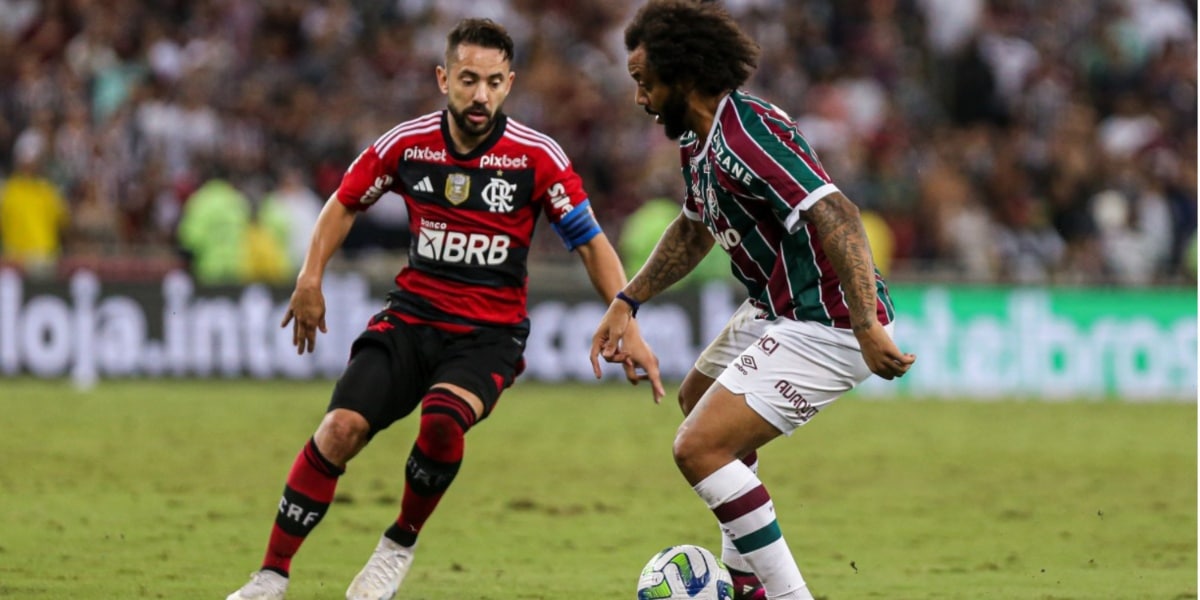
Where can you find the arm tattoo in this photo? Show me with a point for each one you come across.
(682, 246)
(845, 243)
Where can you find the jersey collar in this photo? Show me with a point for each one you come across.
(713, 128)
(483, 147)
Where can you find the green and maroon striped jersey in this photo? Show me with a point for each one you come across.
(750, 182)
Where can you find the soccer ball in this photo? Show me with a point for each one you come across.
(685, 572)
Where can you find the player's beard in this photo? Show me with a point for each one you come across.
(672, 115)
(465, 124)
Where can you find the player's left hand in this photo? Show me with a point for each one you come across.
(881, 354)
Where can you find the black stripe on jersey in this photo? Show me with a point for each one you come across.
(448, 186)
(484, 147)
(509, 273)
(416, 306)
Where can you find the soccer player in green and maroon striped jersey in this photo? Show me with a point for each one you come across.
(753, 186)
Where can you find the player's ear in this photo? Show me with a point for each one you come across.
(443, 79)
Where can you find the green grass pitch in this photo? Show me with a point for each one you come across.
(167, 490)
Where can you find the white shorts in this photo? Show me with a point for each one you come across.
(745, 326)
(795, 369)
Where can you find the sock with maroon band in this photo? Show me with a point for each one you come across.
(306, 497)
(729, 552)
(433, 463)
(745, 511)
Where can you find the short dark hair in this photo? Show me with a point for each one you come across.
(479, 32)
(693, 42)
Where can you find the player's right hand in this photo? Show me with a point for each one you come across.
(881, 354)
(307, 310)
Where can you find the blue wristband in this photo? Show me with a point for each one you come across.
(633, 304)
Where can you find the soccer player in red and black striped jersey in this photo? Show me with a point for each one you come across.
(451, 339)
(753, 186)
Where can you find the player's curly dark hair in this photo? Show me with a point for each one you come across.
(693, 42)
(485, 33)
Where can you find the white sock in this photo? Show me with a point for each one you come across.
(729, 553)
(747, 515)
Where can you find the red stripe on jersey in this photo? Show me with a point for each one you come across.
(494, 305)
(447, 327)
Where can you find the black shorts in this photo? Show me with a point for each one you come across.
(483, 361)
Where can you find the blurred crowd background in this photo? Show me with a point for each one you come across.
(1013, 141)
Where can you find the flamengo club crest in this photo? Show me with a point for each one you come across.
(458, 188)
(499, 195)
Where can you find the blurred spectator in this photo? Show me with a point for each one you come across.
(212, 231)
(33, 214)
(882, 241)
(291, 211)
(264, 252)
(979, 131)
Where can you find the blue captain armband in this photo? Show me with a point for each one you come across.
(578, 227)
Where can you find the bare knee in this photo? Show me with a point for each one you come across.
(691, 453)
(342, 434)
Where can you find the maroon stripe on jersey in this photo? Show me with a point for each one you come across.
(731, 184)
(742, 505)
(881, 311)
(745, 147)
(832, 296)
(785, 135)
(778, 291)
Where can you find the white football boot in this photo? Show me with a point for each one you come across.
(381, 576)
(263, 585)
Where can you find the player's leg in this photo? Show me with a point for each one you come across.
(312, 479)
(743, 329)
(364, 401)
(787, 377)
(720, 429)
(468, 381)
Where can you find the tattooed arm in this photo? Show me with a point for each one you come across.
(844, 240)
(683, 245)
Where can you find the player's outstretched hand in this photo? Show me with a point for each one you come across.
(881, 354)
(640, 362)
(618, 340)
(606, 342)
(307, 310)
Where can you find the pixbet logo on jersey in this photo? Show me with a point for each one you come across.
(436, 242)
(425, 154)
(503, 161)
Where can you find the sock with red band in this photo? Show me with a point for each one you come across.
(433, 463)
(306, 497)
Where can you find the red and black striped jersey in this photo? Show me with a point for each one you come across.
(472, 216)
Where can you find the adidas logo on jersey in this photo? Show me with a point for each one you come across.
(424, 186)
